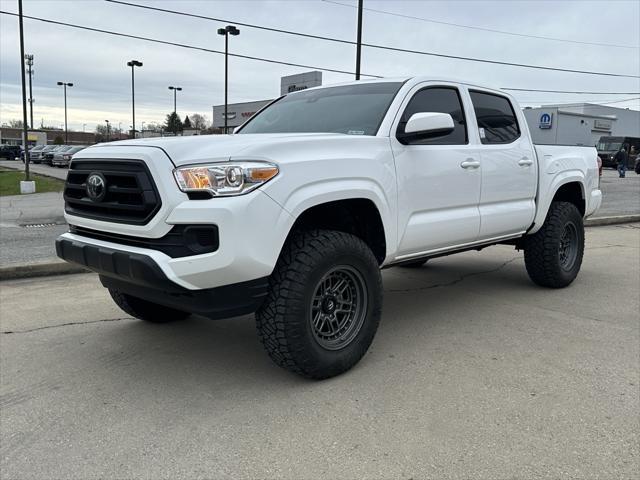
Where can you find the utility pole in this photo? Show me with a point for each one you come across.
(29, 59)
(108, 133)
(66, 131)
(133, 64)
(359, 39)
(226, 31)
(25, 145)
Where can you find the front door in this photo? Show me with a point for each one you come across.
(438, 178)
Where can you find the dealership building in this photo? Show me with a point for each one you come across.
(238, 113)
(580, 124)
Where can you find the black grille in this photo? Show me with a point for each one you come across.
(131, 195)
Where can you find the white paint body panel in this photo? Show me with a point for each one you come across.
(427, 202)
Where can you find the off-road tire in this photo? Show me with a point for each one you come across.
(145, 310)
(416, 264)
(544, 251)
(285, 321)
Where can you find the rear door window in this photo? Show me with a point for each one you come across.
(497, 122)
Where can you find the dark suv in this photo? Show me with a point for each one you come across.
(10, 152)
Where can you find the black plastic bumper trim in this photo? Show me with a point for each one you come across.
(139, 276)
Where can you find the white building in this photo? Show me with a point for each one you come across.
(580, 124)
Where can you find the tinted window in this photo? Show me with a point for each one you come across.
(496, 118)
(351, 109)
(439, 100)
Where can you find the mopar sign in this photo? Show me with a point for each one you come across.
(545, 120)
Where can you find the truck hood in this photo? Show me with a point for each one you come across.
(217, 148)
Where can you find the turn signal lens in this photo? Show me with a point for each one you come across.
(225, 179)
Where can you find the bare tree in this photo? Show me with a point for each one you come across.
(198, 121)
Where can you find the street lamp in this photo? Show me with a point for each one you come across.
(84, 125)
(175, 123)
(66, 132)
(175, 90)
(108, 134)
(133, 64)
(226, 31)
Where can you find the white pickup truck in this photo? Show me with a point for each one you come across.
(294, 215)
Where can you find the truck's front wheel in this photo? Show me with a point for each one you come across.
(324, 304)
(553, 255)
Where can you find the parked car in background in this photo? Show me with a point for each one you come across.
(63, 157)
(47, 158)
(10, 152)
(609, 146)
(36, 156)
(34, 153)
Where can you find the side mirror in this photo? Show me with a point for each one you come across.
(426, 125)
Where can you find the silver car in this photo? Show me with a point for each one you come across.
(62, 158)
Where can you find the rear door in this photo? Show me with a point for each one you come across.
(438, 178)
(509, 167)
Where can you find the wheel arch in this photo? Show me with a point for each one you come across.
(568, 187)
(359, 216)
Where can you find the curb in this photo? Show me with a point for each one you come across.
(615, 220)
(16, 272)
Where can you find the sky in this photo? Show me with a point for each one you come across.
(96, 62)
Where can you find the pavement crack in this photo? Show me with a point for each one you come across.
(453, 282)
(9, 332)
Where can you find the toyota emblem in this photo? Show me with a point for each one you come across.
(96, 187)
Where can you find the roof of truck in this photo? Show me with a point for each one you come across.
(413, 80)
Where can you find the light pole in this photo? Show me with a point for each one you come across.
(108, 134)
(226, 31)
(29, 59)
(66, 132)
(133, 64)
(175, 111)
(84, 125)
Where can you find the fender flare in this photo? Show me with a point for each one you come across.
(546, 197)
(314, 194)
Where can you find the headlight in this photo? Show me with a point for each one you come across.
(225, 179)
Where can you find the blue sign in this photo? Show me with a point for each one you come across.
(545, 120)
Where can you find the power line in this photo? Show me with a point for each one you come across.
(581, 104)
(568, 91)
(371, 45)
(184, 45)
(503, 32)
(267, 60)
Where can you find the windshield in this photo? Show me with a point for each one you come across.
(609, 144)
(351, 109)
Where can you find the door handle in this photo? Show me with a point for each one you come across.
(470, 163)
(525, 162)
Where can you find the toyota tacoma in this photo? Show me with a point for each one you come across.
(294, 215)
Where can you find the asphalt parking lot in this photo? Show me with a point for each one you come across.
(475, 373)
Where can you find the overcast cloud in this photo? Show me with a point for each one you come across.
(95, 62)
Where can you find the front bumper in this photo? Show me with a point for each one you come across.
(139, 275)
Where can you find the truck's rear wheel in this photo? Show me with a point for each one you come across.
(553, 255)
(145, 310)
(324, 304)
